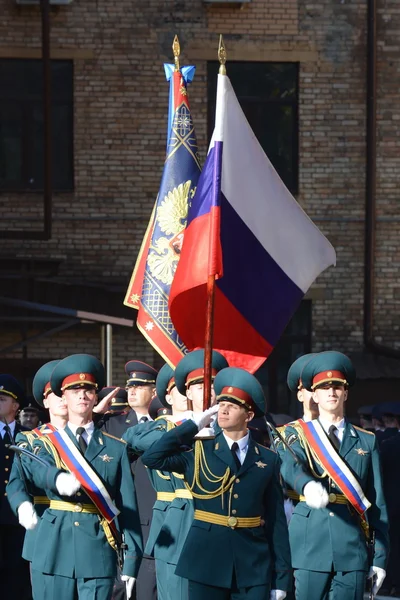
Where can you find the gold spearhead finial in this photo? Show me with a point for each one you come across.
(222, 56)
(176, 48)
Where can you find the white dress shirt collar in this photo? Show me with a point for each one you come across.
(89, 429)
(3, 428)
(139, 416)
(340, 425)
(243, 444)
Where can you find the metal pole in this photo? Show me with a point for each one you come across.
(109, 354)
(47, 175)
(370, 204)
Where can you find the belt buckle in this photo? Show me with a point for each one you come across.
(232, 522)
(78, 507)
(332, 497)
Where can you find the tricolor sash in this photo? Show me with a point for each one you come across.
(334, 465)
(88, 478)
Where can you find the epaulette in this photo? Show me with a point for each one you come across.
(363, 430)
(263, 447)
(170, 424)
(113, 437)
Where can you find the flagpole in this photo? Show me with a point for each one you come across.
(208, 343)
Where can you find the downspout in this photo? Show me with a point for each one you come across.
(370, 198)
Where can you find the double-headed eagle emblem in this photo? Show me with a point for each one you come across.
(171, 219)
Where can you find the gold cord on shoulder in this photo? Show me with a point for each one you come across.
(51, 449)
(201, 467)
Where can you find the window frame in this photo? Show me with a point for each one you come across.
(293, 187)
(28, 104)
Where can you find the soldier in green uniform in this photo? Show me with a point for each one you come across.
(237, 546)
(295, 384)
(173, 510)
(27, 501)
(339, 485)
(75, 552)
(310, 411)
(14, 571)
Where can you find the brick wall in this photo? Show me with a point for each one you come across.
(120, 107)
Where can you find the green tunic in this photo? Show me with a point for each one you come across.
(74, 544)
(254, 556)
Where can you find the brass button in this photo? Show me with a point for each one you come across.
(332, 497)
(6, 481)
(331, 514)
(234, 512)
(232, 522)
(78, 494)
(6, 469)
(236, 495)
(78, 507)
(237, 480)
(7, 456)
(76, 523)
(5, 493)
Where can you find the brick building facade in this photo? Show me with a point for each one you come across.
(115, 51)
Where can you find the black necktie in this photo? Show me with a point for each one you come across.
(333, 437)
(234, 448)
(143, 419)
(6, 438)
(81, 440)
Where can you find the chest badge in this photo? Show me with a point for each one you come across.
(260, 464)
(106, 458)
(361, 451)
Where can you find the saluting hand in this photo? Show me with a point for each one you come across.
(203, 419)
(103, 406)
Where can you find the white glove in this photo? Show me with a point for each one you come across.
(203, 419)
(67, 484)
(315, 494)
(27, 515)
(277, 595)
(380, 575)
(289, 509)
(129, 583)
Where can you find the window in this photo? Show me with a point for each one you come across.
(268, 95)
(295, 342)
(21, 125)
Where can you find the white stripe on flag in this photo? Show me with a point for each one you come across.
(254, 189)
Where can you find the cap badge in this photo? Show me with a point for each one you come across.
(1, 387)
(329, 374)
(260, 464)
(230, 390)
(133, 375)
(82, 376)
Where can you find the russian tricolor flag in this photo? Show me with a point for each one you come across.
(245, 228)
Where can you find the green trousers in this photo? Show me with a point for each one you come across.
(336, 585)
(169, 585)
(200, 591)
(56, 587)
